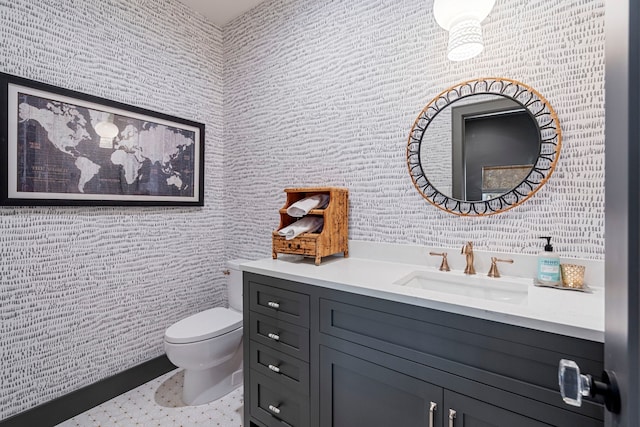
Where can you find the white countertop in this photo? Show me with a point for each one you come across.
(570, 313)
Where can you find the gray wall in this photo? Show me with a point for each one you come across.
(315, 93)
(325, 93)
(88, 292)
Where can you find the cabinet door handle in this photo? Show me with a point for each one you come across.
(452, 417)
(274, 368)
(274, 409)
(432, 412)
(273, 336)
(273, 304)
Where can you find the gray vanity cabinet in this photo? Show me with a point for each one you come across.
(357, 393)
(346, 360)
(464, 411)
(276, 350)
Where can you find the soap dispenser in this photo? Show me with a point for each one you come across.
(548, 265)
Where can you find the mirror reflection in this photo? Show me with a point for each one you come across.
(480, 147)
(483, 146)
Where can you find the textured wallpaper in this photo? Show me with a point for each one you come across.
(88, 292)
(315, 93)
(325, 93)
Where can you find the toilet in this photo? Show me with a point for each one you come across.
(208, 345)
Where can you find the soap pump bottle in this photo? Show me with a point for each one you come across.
(548, 265)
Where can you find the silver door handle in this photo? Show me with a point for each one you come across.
(432, 412)
(274, 368)
(273, 304)
(452, 417)
(273, 336)
(274, 409)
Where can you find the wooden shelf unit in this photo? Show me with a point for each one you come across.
(334, 236)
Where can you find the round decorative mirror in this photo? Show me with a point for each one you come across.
(483, 146)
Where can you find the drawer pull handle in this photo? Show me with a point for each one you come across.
(452, 417)
(273, 336)
(274, 409)
(274, 368)
(273, 304)
(432, 412)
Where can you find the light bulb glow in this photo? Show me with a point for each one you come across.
(106, 131)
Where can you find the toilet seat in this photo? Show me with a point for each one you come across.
(204, 325)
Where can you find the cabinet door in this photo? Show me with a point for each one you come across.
(463, 411)
(357, 393)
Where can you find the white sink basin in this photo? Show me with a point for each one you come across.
(511, 290)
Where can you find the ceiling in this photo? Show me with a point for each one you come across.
(221, 11)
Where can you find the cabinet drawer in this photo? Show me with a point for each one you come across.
(275, 405)
(281, 336)
(292, 373)
(292, 307)
(297, 246)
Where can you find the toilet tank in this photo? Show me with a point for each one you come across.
(234, 283)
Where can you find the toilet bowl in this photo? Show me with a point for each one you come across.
(208, 345)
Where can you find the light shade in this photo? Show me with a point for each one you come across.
(462, 19)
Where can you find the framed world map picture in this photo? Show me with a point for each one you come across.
(61, 147)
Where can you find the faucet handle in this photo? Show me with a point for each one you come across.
(444, 266)
(493, 271)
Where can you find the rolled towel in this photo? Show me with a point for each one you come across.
(307, 224)
(302, 207)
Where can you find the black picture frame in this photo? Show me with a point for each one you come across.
(59, 147)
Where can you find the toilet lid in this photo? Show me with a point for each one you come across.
(204, 325)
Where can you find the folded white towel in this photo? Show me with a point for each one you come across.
(302, 207)
(307, 224)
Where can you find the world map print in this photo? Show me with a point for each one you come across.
(66, 148)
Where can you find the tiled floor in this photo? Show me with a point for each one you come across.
(158, 404)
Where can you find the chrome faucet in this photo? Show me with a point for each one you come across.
(468, 251)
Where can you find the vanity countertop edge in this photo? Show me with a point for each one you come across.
(575, 314)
